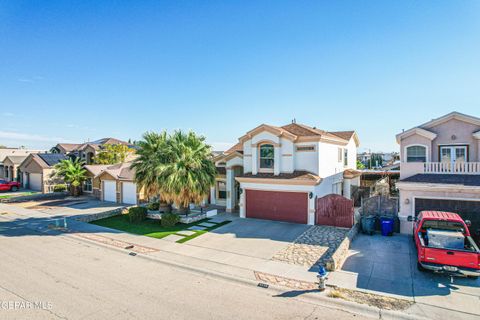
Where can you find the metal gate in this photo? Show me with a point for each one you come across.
(334, 210)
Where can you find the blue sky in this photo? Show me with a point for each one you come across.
(82, 70)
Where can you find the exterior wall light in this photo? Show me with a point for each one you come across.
(407, 201)
(310, 195)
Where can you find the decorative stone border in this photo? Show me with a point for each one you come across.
(285, 282)
(339, 256)
(191, 218)
(102, 215)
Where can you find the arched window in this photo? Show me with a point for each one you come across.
(416, 154)
(267, 152)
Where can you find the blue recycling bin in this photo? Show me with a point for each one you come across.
(386, 225)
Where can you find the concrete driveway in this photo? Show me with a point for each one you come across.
(388, 265)
(251, 237)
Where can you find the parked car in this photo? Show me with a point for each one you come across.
(444, 244)
(9, 185)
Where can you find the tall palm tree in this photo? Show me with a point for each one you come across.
(189, 172)
(152, 153)
(72, 172)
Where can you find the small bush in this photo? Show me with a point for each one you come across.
(169, 219)
(137, 214)
(153, 206)
(60, 188)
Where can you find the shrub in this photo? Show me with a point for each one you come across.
(137, 214)
(60, 188)
(169, 219)
(154, 206)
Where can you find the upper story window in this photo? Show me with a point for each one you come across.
(345, 157)
(267, 152)
(340, 154)
(416, 154)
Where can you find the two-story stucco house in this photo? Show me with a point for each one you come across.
(440, 168)
(277, 172)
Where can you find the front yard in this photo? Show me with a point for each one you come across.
(179, 233)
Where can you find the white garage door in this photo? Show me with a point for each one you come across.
(110, 191)
(35, 182)
(129, 193)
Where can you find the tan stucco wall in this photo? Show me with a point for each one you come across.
(464, 135)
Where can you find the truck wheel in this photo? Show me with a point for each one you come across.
(420, 267)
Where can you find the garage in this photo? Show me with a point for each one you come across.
(35, 181)
(468, 210)
(129, 193)
(110, 190)
(276, 205)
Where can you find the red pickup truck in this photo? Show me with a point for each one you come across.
(444, 244)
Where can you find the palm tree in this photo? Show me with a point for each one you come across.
(152, 153)
(72, 172)
(189, 172)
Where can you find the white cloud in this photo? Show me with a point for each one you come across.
(11, 135)
(8, 114)
(30, 79)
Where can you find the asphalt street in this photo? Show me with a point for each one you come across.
(66, 278)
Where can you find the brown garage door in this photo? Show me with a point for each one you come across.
(281, 206)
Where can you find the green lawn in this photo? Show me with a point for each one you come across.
(152, 228)
(8, 196)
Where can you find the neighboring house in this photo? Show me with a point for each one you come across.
(277, 172)
(11, 168)
(113, 183)
(4, 152)
(440, 169)
(88, 150)
(36, 171)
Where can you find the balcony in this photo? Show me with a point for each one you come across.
(408, 169)
(452, 168)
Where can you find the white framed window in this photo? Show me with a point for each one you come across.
(340, 154)
(221, 190)
(88, 185)
(453, 154)
(267, 156)
(345, 157)
(416, 153)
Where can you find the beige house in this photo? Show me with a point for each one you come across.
(36, 171)
(5, 173)
(440, 169)
(113, 183)
(88, 150)
(11, 168)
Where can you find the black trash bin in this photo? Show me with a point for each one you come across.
(368, 224)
